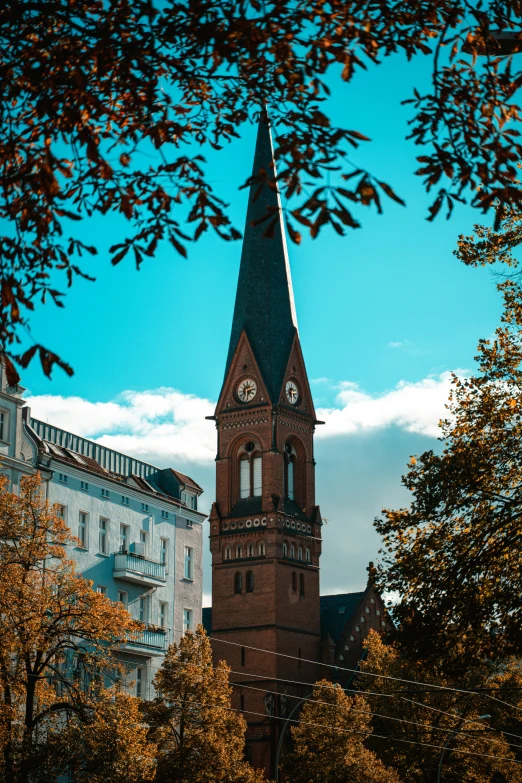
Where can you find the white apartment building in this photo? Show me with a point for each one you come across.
(139, 527)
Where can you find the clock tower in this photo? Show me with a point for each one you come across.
(265, 526)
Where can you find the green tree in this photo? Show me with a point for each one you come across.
(453, 556)
(57, 635)
(199, 737)
(329, 741)
(87, 87)
(405, 714)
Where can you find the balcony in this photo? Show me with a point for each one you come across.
(138, 569)
(149, 642)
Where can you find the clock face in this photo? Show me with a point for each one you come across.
(247, 390)
(292, 392)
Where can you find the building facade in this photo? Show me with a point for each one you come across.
(267, 619)
(138, 527)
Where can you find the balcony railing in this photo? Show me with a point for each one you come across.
(151, 637)
(129, 563)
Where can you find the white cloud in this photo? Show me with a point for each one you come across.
(393, 344)
(414, 407)
(156, 426)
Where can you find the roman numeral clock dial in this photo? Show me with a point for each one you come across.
(247, 390)
(292, 392)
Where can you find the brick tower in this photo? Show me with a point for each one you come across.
(265, 528)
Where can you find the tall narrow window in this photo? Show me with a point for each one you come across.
(239, 550)
(187, 620)
(244, 478)
(124, 536)
(164, 552)
(2, 425)
(82, 529)
(189, 562)
(250, 581)
(143, 609)
(292, 551)
(242, 703)
(238, 582)
(250, 550)
(285, 549)
(228, 553)
(261, 548)
(294, 582)
(139, 682)
(123, 598)
(102, 536)
(144, 539)
(242, 656)
(163, 614)
(299, 553)
(290, 457)
(299, 657)
(308, 557)
(257, 471)
(301, 584)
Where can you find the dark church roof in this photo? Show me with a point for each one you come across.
(264, 300)
(336, 612)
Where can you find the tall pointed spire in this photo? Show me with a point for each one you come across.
(264, 299)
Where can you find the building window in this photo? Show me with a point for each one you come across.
(250, 550)
(290, 458)
(105, 493)
(294, 582)
(144, 539)
(242, 703)
(144, 506)
(228, 553)
(190, 523)
(300, 553)
(123, 598)
(189, 499)
(164, 552)
(125, 500)
(261, 548)
(82, 529)
(189, 563)
(250, 472)
(102, 536)
(124, 538)
(84, 485)
(187, 620)
(250, 581)
(165, 514)
(3, 425)
(63, 478)
(242, 656)
(61, 511)
(301, 584)
(143, 608)
(378, 613)
(140, 682)
(238, 582)
(239, 550)
(285, 549)
(101, 590)
(308, 556)
(299, 657)
(163, 614)
(292, 551)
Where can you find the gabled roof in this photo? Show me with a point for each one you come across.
(264, 306)
(186, 480)
(337, 611)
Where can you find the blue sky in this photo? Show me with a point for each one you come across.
(383, 313)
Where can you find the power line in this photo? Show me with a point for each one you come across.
(363, 673)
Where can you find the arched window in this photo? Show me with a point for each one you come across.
(285, 549)
(290, 461)
(307, 555)
(301, 584)
(300, 553)
(250, 471)
(242, 656)
(228, 553)
(250, 550)
(294, 582)
(292, 551)
(250, 581)
(261, 549)
(238, 582)
(239, 550)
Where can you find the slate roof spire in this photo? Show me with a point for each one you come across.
(264, 305)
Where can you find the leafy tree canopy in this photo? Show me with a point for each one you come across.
(104, 105)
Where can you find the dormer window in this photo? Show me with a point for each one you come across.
(250, 471)
(189, 499)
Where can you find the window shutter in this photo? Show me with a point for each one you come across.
(244, 478)
(258, 476)
(290, 488)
